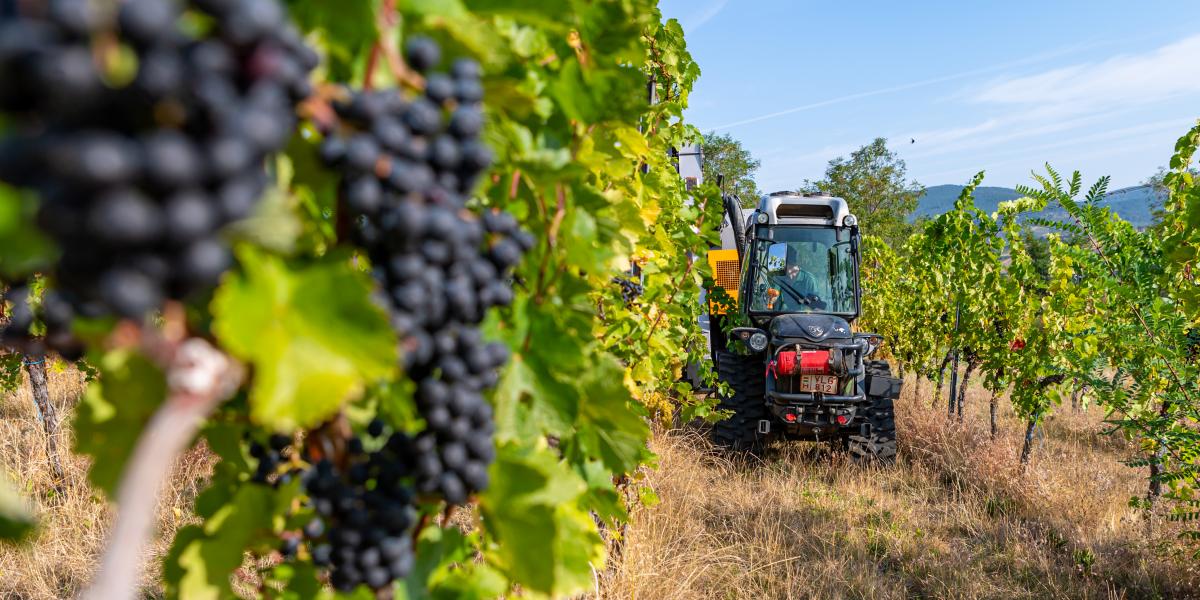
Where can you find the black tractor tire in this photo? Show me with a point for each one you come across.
(879, 445)
(747, 381)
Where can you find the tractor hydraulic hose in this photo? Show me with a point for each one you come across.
(733, 212)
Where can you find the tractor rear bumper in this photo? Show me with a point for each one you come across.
(807, 398)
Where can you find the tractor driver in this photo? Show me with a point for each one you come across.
(797, 289)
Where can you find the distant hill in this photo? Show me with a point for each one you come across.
(1134, 204)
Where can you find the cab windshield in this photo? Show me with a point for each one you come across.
(804, 269)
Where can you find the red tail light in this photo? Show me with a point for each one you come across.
(814, 362)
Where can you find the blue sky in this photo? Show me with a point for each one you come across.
(1104, 87)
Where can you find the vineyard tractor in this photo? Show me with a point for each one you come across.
(782, 335)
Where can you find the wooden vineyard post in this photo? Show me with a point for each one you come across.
(35, 367)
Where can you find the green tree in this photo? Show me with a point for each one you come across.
(1158, 183)
(724, 155)
(874, 181)
(1038, 249)
(1161, 194)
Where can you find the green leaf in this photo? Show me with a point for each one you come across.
(347, 29)
(203, 557)
(298, 580)
(22, 246)
(471, 581)
(527, 405)
(113, 412)
(608, 427)
(16, 520)
(603, 498)
(311, 332)
(439, 551)
(547, 542)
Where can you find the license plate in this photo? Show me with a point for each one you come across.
(825, 384)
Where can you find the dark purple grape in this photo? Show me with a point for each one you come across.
(229, 156)
(95, 158)
(466, 122)
(439, 88)
(160, 73)
(469, 91)
(444, 153)
(364, 195)
(147, 21)
(422, 53)
(203, 262)
(125, 217)
(391, 134)
(190, 215)
(171, 160)
(465, 68)
(129, 293)
(362, 151)
(423, 117)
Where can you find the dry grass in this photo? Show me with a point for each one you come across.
(955, 518)
(73, 518)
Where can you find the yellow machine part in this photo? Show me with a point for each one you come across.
(727, 273)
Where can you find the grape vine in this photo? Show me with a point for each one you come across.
(1115, 316)
(387, 236)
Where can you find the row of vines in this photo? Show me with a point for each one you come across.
(375, 255)
(1112, 320)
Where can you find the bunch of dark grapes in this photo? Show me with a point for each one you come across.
(54, 312)
(364, 505)
(137, 171)
(270, 457)
(407, 166)
(630, 290)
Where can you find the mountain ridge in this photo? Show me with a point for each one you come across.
(1135, 204)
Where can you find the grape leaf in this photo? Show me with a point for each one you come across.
(547, 542)
(311, 332)
(203, 556)
(113, 411)
(10, 372)
(16, 521)
(603, 498)
(347, 30)
(608, 426)
(298, 580)
(22, 246)
(471, 581)
(560, 386)
(444, 569)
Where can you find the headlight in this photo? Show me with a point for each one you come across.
(758, 342)
(762, 218)
(849, 220)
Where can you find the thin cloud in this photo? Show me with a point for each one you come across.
(1156, 140)
(908, 86)
(1034, 156)
(697, 20)
(1170, 71)
(939, 137)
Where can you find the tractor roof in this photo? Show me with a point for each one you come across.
(794, 208)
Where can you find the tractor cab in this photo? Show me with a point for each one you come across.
(783, 339)
(802, 264)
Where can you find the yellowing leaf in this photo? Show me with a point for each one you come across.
(311, 332)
